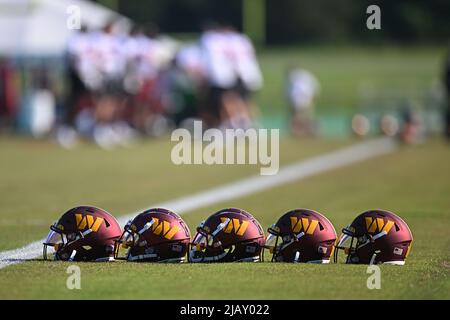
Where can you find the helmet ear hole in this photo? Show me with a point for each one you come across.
(397, 228)
(107, 223)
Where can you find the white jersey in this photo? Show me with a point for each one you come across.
(113, 56)
(230, 56)
(302, 88)
(190, 58)
(245, 61)
(140, 52)
(82, 48)
(218, 59)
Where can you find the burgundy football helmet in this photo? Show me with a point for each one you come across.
(228, 235)
(376, 236)
(155, 235)
(301, 235)
(83, 233)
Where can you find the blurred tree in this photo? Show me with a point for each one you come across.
(299, 21)
(182, 15)
(254, 20)
(112, 4)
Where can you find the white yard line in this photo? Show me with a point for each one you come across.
(241, 188)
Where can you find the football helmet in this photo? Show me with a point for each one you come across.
(301, 235)
(155, 235)
(228, 235)
(83, 233)
(375, 236)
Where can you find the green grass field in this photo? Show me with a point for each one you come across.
(39, 181)
(346, 74)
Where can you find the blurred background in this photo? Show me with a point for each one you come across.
(79, 77)
(115, 71)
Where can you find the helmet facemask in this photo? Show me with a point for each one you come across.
(61, 242)
(277, 243)
(301, 236)
(205, 247)
(361, 248)
(138, 249)
(83, 233)
(126, 241)
(132, 241)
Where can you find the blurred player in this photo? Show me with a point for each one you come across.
(389, 125)
(8, 94)
(249, 76)
(233, 72)
(110, 128)
(302, 90)
(186, 85)
(360, 125)
(141, 78)
(84, 72)
(412, 130)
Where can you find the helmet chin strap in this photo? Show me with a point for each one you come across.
(206, 259)
(297, 256)
(250, 259)
(142, 256)
(372, 260)
(72, 256)
(174, 260)
(379, 235)
(44, 252)
(146, 226)
(105, 259)
(220, 227)
(83, 234)
(375, 237)
(301, 234)
(297, 237)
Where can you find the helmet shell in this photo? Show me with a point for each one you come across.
(242, 226)
(90, 231)
(307, 234)
(162, 235)
(233, 235)
(392, 247)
